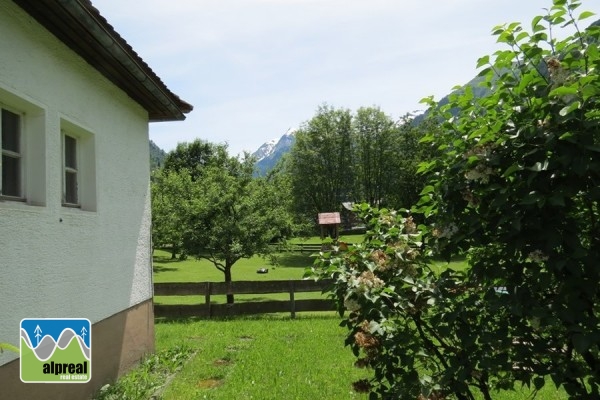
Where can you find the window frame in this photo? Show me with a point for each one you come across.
(19, 155)
(68, 169)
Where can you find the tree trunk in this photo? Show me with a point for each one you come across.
(227, 273)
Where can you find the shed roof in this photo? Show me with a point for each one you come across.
(330, 218)
(79, 25)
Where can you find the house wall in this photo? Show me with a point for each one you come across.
(57, 261)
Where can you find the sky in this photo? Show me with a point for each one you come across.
(253, 69)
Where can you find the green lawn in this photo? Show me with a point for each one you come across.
(317, 240)
(265, 356)
(268, 357)
(274, 357)
(291, 266)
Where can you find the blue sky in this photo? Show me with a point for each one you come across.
(255, 68)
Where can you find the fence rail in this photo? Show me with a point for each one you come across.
(303, 247)
(209, 309)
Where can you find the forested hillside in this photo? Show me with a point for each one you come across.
(157, 156)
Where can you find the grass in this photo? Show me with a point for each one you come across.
(267, 357)
(317, 240)
(291, 266)
(149, 377)
(261, 357)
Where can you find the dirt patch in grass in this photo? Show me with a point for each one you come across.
(221, 362)
(210, 383)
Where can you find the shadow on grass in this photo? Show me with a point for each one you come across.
(165, 260)
(159, 268)
(295, 260)
(308, 315)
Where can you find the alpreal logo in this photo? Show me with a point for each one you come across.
(56, 350)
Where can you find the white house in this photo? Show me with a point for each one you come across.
(75, 104)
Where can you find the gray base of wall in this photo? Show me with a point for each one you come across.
(118, 343)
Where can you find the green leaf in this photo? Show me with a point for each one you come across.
(483, 61)
(535, 22)
(585, 14)
(538, 166)
(570, 108)
(539, 382)
(427, 189)
(522, 36)
(563, 91)
(593, 148)
(511, 170)
(568, 136)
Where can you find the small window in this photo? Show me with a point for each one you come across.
(78, 166)
(71, 173)
(10, 142)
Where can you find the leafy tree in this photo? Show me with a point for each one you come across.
(195, 156)
(368, 157)
(407, 154)
(321, 162)
(376, 139)
(515, 189)
(518, 188)
(233, 215)
(171, 192)
(417, 330)
(157, 156)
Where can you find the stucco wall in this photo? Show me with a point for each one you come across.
(66, 262)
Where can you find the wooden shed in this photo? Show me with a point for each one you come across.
(330, 224)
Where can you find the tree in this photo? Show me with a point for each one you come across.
(340, 157)
(171, 193)
(515, 188)
(376, 139)
(195, 156)
(409, 153)
(320, 162)
(233, 215)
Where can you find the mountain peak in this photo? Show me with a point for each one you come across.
(270, 152)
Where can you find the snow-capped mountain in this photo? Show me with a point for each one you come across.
(265, 150)
(269, 153)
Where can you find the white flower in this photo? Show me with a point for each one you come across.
(446, 232)
(367, 281)
(537, 256)
(351, 305)
(480, 173)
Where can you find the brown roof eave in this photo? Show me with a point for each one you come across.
(80, 26)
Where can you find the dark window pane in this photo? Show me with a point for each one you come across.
(11, 176)
(10, 131)
(70, 152)
(70, 187)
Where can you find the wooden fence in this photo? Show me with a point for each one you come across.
(209, 309)
(303, 247)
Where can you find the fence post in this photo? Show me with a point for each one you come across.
(207, 299)
(292, 300)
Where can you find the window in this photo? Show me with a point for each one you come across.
(71, 175)
(78, 166)
(10, 141)
(22, 151)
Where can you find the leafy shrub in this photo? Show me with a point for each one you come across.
(516, 187)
